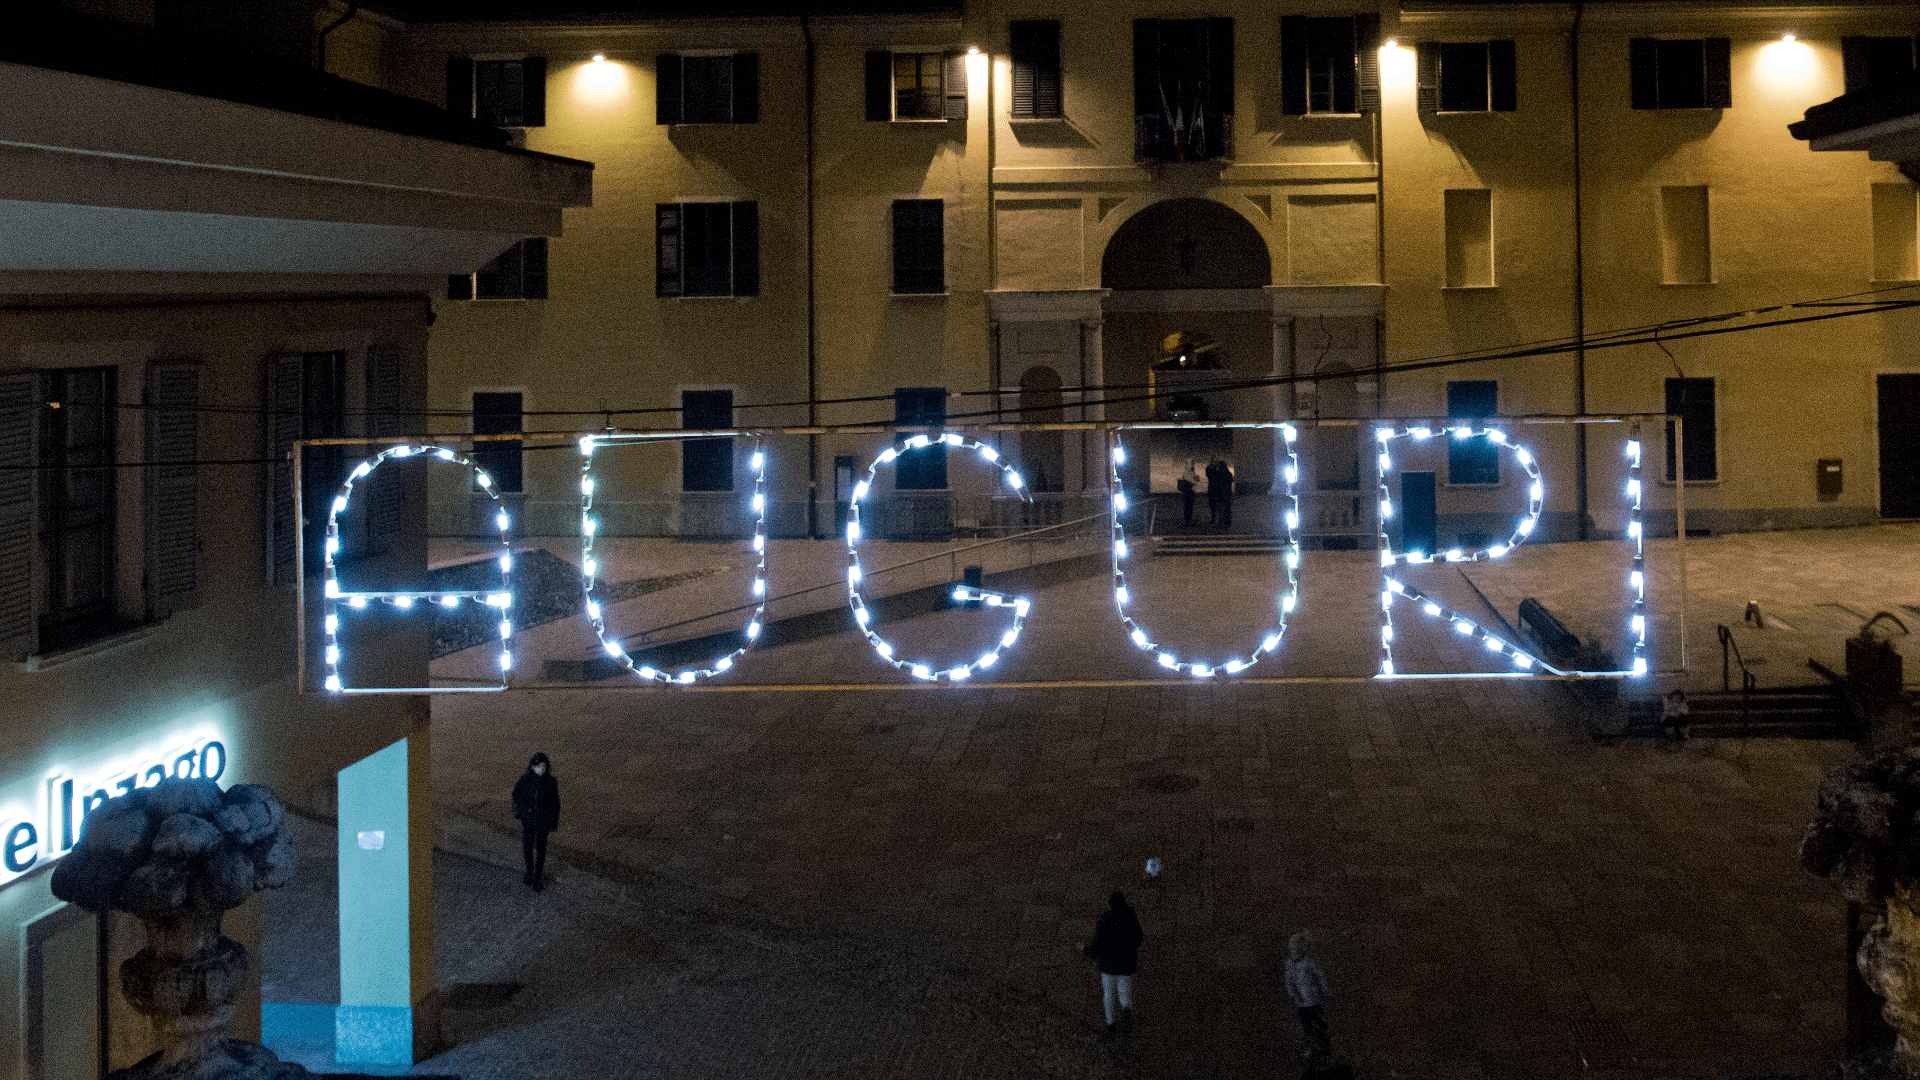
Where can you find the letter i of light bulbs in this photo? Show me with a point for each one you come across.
(1536, 499)
(925, 669)
(597, 599)
(1285, 604)
(500, 599)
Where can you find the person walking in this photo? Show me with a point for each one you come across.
(1188, 483)
(1115, 949)
(536, 802)
(1220, 493)
(1307, 989)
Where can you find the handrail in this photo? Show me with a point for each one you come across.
(1747, 681)
(838, 584)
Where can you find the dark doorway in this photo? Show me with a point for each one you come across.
(1043, 455)
(1186, 244)
(1419, 513)
(1900, 446)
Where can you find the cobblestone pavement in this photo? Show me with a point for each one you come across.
(896, 882)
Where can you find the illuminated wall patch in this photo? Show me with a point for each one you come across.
(1285, 604)
(1018, 606)
(500, 599)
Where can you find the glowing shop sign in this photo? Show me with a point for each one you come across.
(1019, 606)
(501, 598)
(34, 836)
(1286, 603)
(590, 567)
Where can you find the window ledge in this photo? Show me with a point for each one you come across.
(1030, 121)
(500, 300)
(1715, 482)
(1495, 486)
(919, 120)
(703, 296)
(918, 295)
(1330, 115)
(1891, 281)
(92, 648)
(1687, 284)
(1469, 288)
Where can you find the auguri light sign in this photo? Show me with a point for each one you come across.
(343, 602)
(34, 833)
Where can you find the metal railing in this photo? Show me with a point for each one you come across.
(953, 574)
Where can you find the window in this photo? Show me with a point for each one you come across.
(1182, 89)
(1329, 65)
(919, 246)
(1467, 76)
(519, 273)
(1694, 73)
(1036, 70)
(1686, 257)
(1469, 221)
(707, 89)
(305, 399)
(1895, 233)
(1692, 401)
(706, 464)
(499, 413)
(924, 469)
(1475, 460)
(173, 487)
(76, 512)
(1877, 63)
(504, 93)
(707, 249)
(916, 85)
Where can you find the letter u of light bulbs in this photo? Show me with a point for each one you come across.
(594, 589)
(1018, 607)
(403, 600)
(1269, 638)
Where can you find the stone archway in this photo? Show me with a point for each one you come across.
(1186, 244)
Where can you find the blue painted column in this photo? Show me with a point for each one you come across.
(388, 1011)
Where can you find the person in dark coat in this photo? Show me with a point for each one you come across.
(1188, 483)
(536, 802)
(1115, 948)
(1220, 494)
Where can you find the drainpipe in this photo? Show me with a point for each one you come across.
(1579, 287)
(353, 8)
(813, 359)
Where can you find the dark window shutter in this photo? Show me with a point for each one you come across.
(460, 86)
(534, 71)
(173, 487)
(1293, 65)
(1716, 83)
(500, 279)
(746, 88)
(706, 249)
(1366, 43)
(879, 85)
(924, 469)
(666, 242)
(500, 413)
(706, 464)
(279, 428)
(1503, 76)
(19, 434)
(1692, 401)
(1427, 76)
(953, 87)
(1475, 460)
(1219, 133)
(1345, 63)
(666, 81)
(459, 286)
(919, 246)
(1036, 69)
(1643, 62)
(533, 268)
(1853, 62)
(1150, 134)
(746, 249)
(386, 400)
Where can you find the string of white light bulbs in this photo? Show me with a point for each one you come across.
(1287, 602)
(1522, 659)
(590, 566)
(855, 574)
(501, 598)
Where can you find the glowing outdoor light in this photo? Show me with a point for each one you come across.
(596, 605)
(862, 615)
(1270, 638)
(357, 600)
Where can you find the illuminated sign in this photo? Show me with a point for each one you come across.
(32, 836)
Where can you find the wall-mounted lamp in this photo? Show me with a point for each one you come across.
(599, 57)
(1393, 43)
(973, 50)
(1786, 37)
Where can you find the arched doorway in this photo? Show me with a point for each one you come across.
(1186, 244)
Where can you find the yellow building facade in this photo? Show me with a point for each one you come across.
(1345, 196)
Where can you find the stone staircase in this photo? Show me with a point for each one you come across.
(1219, 544)
(1795, 712)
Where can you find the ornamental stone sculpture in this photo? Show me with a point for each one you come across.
(177, 856)
(1865, 838)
